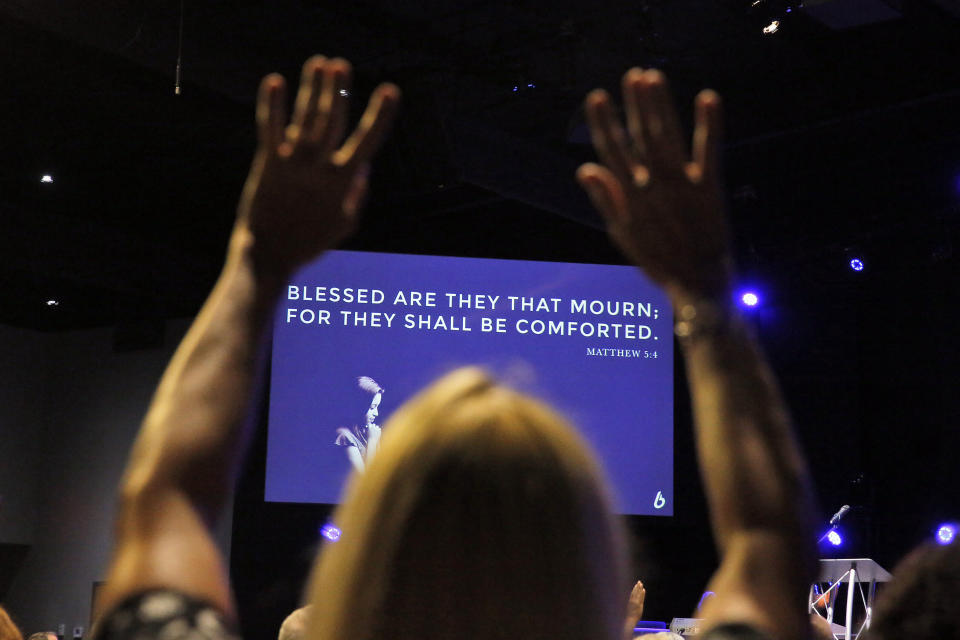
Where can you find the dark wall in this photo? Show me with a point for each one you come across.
(68, 453)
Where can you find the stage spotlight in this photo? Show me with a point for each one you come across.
(749, 299)
(330, 531)
(834, 538)
(773, 27)
(946, 533)
(856, 264)
(53, 303)
(344, 93)
(46, 178)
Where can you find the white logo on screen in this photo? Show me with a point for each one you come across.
(659, 501)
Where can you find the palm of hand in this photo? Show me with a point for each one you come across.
(297, 207)
(672, 228)
(662, 209)
(304, 190)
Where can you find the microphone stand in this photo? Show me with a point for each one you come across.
(833, 522)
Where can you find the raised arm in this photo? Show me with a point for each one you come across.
(664, 209)
(300, 198)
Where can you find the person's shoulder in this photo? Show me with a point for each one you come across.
(164, 614)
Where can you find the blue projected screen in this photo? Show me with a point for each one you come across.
(357, 334)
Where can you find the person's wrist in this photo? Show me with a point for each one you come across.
(701, 317)
(269, 274)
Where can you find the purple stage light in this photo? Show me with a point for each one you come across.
(330, 531)
(856, 264)
(834, 538)
(946, 533)
(750, 299)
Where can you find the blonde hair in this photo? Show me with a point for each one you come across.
(484, 515)
(294, 626)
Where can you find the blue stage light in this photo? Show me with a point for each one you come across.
(330, 531)
(750, 299)
(703, 599)
(856, 264)
(946, 533)
(834, 538)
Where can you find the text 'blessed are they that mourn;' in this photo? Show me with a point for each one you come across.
(613, 318)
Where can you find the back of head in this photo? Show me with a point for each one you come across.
(8, 629)
(922, 601)
(483, 516)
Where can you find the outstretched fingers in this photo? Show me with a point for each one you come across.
(356, 194)
(630, 89)
(707, 133)
(608, 137)
(662, 139)
(306, 109)
(271, 113)
(363, 143)
(334, 105)
(605, 192)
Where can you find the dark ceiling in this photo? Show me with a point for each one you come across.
(836, 137)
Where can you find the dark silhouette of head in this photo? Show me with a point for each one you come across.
(922, 601)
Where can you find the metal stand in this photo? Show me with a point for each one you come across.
(855, 572)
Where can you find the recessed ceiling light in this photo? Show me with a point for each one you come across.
(53, 303)
(46, 178)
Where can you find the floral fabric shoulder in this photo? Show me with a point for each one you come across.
(164, 614)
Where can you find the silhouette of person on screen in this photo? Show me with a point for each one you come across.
(362, 442)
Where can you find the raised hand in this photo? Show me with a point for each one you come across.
(304, 187)
(635, 602)
(663, 207)
(300, 198)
